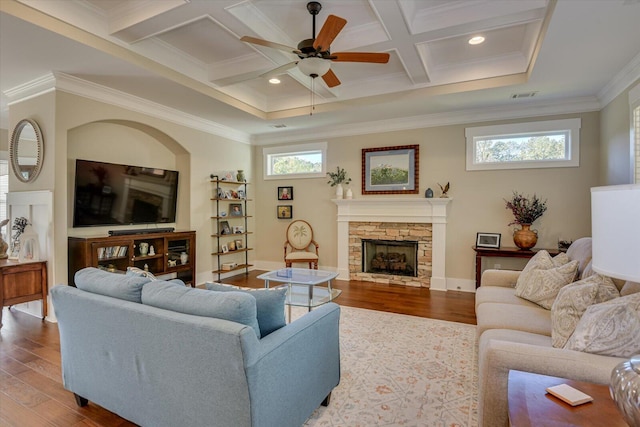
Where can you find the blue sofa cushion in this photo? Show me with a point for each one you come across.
(237, 307)
(113, 285)
(269, 304)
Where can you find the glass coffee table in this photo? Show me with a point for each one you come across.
(303, 286)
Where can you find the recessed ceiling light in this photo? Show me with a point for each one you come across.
(476, 40)
(274, 81)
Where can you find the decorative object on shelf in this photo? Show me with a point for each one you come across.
(235, 209)
(526, 210)
(336, 179)
(563, 244)
(184, 258)
(172, 263)
(232, 245)
(146, 267)
(239, 244)
(4, 246)
(428, 193)
(444, 190)
(19, 225)
(285, 193)
(390, 170)
(224, 227)
(144, 248)
(224, 249)
(29, 245)
(238, 229)
(240, 176)
(614, 216)
(349, 194)
(285, 211)
(152, 250)
(488, 240)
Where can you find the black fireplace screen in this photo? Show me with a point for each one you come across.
(390, 257)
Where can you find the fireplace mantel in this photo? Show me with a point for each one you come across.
(409, 210)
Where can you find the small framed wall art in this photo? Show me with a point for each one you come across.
(390, 170)
(488, 240)
(285, 193)
(285, 211)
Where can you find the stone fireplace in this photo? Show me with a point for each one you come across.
(418, 222)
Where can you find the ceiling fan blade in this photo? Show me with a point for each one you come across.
(378, 58)
(261, 42)
(332, 26)
(331, 79)
(239, 78)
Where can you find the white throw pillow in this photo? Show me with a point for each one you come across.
(573, 300)
(610, 328)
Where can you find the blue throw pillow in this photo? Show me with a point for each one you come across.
(237, 306)
(269, 304)
(113, 285)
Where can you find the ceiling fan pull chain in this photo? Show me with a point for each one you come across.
(313, 81)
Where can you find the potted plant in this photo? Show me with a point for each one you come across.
(336, 179)
(525, 209)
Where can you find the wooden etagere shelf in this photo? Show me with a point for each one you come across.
(231, 216)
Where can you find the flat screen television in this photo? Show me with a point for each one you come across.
(112, 194)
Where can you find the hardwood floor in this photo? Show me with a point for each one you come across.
(31, 391)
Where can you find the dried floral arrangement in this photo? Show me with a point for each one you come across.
(525, 209)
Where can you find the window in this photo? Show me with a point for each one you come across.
(548, 144)
(295, 161)
(634, 107)
(4, 189)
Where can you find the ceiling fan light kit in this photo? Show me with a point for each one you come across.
(314, 67)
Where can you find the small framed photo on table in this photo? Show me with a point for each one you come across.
(488, 240)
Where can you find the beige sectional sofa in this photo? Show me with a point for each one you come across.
(516, 334)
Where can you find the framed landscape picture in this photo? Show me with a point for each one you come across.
(390, 170)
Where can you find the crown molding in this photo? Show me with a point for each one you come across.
(573, 106)
(620, 82)
(79, 87)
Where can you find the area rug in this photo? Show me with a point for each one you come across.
(399, 370)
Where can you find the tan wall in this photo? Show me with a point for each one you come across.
(4, 140)
(615, 148)
(478, 204)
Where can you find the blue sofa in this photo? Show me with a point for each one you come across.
(123, 349)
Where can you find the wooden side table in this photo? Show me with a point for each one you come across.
(23, 282)
(530, 405)
(504, 253)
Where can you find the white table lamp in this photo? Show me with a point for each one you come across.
(615, 228)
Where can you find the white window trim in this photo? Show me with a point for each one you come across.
(570, 125)
(634, 102)
(290, 149)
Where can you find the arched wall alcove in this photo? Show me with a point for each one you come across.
(130, 143)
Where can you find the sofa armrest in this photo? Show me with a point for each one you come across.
(295, 367)
(500, 351)
(504, 278)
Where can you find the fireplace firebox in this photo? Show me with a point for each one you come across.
(390, 257)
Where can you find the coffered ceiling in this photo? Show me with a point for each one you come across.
(187, 55)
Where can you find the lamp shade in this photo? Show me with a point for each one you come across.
(314, 67)
(615, 231)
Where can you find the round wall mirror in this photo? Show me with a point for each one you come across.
(27, 150)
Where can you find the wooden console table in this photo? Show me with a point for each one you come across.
(23, 282)
(504, 253)
(530, 405)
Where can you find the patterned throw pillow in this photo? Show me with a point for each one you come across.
(610, 328)
(573, 300)
(561, 259)
(541, 281)
(269, 304)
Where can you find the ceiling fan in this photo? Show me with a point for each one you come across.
(314, 53)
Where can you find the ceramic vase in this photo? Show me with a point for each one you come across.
(339, 191)
(525, 238)
(349, 194)
(184, 258)
(625, 389)
(240, 175)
